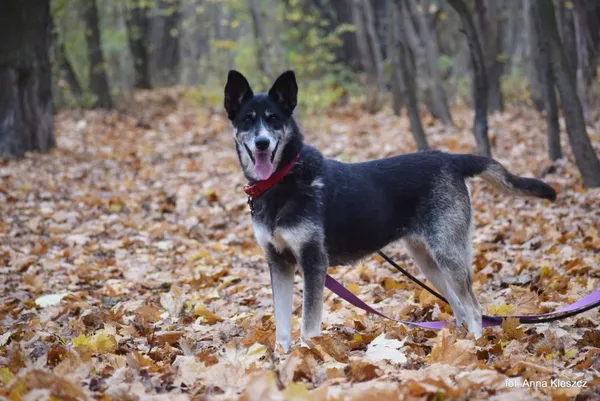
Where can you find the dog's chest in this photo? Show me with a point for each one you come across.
(266, 236)
(292, 238)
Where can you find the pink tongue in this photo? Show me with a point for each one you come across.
(262, 165)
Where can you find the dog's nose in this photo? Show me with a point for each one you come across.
(262, 143)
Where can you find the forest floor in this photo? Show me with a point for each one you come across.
(130, 272)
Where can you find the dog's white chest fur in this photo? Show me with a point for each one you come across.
(266, 237)
(282, 238)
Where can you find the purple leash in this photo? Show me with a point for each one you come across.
(584, 304)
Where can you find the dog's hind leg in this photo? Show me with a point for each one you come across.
(460, 290)
(427, 263)
(282, 283)
(449, 271)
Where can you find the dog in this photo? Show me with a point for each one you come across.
(314, 212)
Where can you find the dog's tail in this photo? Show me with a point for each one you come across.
(497, 175)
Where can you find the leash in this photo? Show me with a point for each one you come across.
(584, 304)
(413, 278)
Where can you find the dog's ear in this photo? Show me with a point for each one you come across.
(237, 92)
(285, 91)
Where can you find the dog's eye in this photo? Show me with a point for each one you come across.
(272, 119)
(248, 118)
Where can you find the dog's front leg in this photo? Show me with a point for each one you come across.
(282, 283)
(313, 262)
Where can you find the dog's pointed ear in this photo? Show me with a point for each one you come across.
(237, 92)
(285, 91)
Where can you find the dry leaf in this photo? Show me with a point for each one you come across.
(511, 327)
(50, 299)
(386, 349)
(200, 310)
(453, 351)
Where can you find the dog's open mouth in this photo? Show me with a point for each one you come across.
(263, 162)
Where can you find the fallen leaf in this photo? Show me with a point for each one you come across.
(511, 327)
(200, 310)
(386, 349)
(50, 299)
(361, 371)
(451, 350)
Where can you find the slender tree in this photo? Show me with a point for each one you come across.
(490, 26)
(391, 42)
(362, 42)
(375, 45)
(586, 55)
(166, 54)
(566, 31)
(97, 66)
(276, 39)
(63, 63)
(534, 63)
(336, 14)
(480, 83)
(261, 38)
(435, 86)
(400, 57)
(369, 50)
(585, 157)
(26, 117)
(548, 85)
(138, 29)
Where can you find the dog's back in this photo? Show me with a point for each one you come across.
(371, 204)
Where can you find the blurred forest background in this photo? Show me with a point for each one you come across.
(418, 55)
(128, 265)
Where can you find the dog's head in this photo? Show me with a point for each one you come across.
(263, 125)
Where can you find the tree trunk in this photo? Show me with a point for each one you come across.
(361, 39)
(167, 56)
(97, 66)
(566, 31)
(392, 54)
(534, 64)
(432, 55)
(262, 41)
(397, 98)
(341, 13)
(401, 62)
(480, 84)
(585, 157)
(277, 36)
(548, 79)
(137, 24)
(413, 41)
(375, 103)
(491, 38)
(64, 64)
(551, 106)
(586, 62)
(26, 116)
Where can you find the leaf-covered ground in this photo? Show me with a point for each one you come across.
(130, 272)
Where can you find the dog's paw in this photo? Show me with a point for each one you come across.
(284, 345)
(306, 341)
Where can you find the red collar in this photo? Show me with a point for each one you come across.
(256, 190)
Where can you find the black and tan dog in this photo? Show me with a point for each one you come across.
(316, 212)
